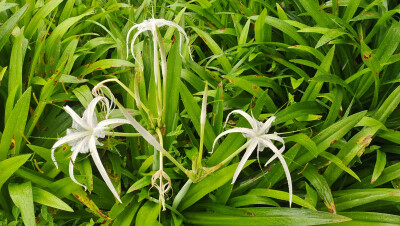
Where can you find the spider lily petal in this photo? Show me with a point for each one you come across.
(108, 122)
(100, 167)
(284, 165)
(67, 139)
(75, 117)
(246, 156)
(277, 138)
(250, 119)
(73, 158)
(83, 137)
(267, 125)
(242, 130)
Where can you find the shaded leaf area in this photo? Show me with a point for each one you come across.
(328, 71)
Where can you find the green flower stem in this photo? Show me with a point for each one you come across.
(157, 77)
(244, 146)
(118, 134)
(164, 74)
(161, 167)
(160, 138)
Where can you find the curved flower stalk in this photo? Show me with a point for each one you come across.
(259, 138)
(83, 137)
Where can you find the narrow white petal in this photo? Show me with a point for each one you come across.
(275, 156)
(73, 158)
(54, 158)
(244, 159)
(273, 137)
(69, 138)
(277, 138)
(127, 38)
(250, 119)
(107, 122)
(284, 165)
(268, 123)
(133, 44)
(145, 134)
(234, 130)
(100, 167)
(75, 117)
(66, 139)
(181, 32)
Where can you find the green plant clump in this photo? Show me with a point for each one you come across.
(240, 112)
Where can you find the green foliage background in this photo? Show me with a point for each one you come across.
(329, 72)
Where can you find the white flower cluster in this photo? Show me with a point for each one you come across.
(86, 130)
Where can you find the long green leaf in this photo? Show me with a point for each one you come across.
(39, 16)
(15, 125)
(321, 186)
(46, 198)
(148, 214)
(22, 196)
(9, 166)
(208, 184)
(379, 165)
(215, 49)
(222, 215)
(280, 195)
(7, 27)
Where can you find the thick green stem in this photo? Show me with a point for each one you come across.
(161, 169)
(160, 138)
(157, 75)
(164, 74)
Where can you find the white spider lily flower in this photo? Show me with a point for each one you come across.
(150, 25)
(258, 138)
(83, 138)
